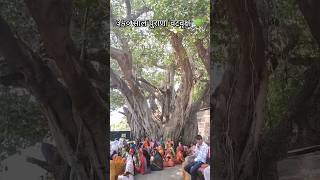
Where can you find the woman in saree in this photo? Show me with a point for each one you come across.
(179, 154)
(160, 150)
(117, 165)
(162, 144)
(142, 163)
(156, 161)
(151, 145)
(146, 143)
(168, 162)
(168, 144)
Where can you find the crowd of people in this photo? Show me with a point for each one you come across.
(142, 157)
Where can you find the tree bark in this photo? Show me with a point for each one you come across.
(176, 106)
(87, 106)
(74, 110)
(238, 115)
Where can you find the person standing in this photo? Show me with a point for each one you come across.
(201, 157)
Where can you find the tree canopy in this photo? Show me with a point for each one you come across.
(158, 66)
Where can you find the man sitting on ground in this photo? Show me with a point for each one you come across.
(201, 157)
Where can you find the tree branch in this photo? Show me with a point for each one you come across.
(118, 83)
(160, 66)
(183, 62)
(128, 4)
(203, 54)
(154, 91)
(124, 60)
(122, 113)
(151, 85)
(40, 163)
(138, 13)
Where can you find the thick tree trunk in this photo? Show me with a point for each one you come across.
(259, 161)
(177, 109)
(238, 115)
(74, 110)
(87, 106)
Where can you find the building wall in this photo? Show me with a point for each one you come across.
(203, 118)
(120, 134)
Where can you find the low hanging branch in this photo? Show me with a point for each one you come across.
(118, 83)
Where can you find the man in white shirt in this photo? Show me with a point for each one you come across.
(201, 157)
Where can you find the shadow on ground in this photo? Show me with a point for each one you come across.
(166, 174)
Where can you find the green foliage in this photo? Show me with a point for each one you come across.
(120, 126)
(180, 9)
(284, 84)
(21, 123)
(197, 91)
(19, 19)
(288, 12)
(151, 49)
(286, 81)
(116, 100)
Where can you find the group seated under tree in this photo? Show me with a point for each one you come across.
(142, 157)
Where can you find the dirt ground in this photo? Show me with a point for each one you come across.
(166, 174)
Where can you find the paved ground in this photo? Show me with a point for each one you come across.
(166, 174)
(17, 163)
